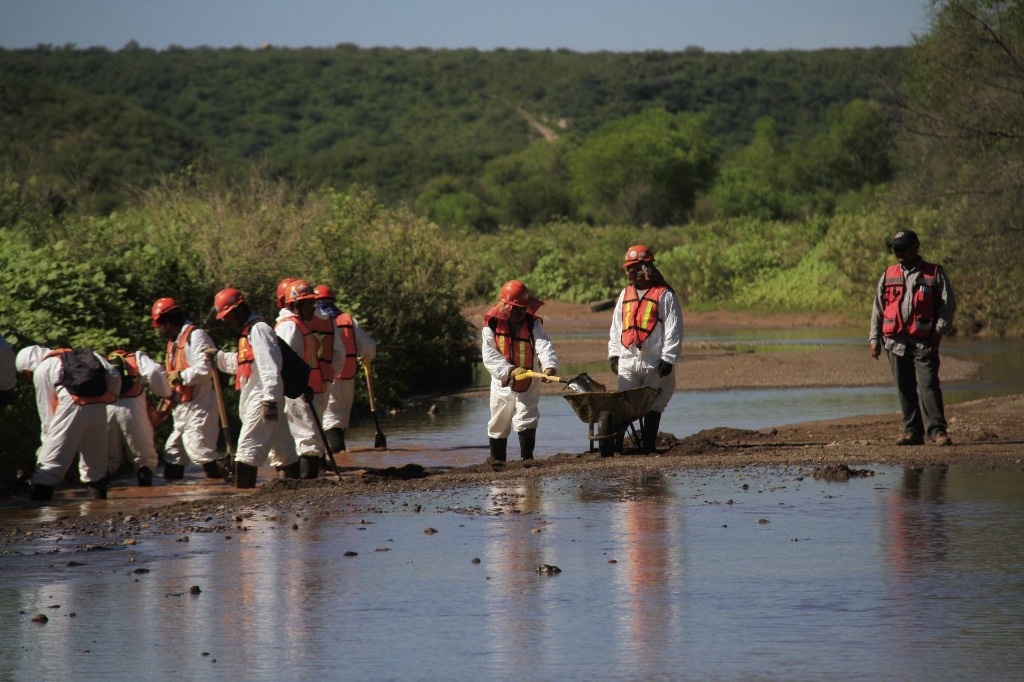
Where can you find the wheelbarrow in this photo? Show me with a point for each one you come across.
(609, 415)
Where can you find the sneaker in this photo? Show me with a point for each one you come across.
(942, 440)
(910, 439)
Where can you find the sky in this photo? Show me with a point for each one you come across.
(577, 25)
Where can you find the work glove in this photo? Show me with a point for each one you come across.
(614, 362)
(174, 377)
(515, 371)
(270, 410)
(210, 352)
(550, 372)
(876, 349)
(664, 368)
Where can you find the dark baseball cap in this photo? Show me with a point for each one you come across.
(904, 239)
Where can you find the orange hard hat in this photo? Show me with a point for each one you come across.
(162, 305)
(323, 292)
(282, 289)
(516, 294)
(298, 290)
(227, 300)
(638, 253)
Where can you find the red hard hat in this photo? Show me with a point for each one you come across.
(227, 300)
(516, 294)
(282, 289)
(162, 305)
(298, 290)
(638, 253)
(323, 292)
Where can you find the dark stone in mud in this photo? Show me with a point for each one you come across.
(40, 618)
(407, 472)
(548, 569)
(194, 589)
(840, 472)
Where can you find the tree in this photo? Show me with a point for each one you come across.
(646, 168)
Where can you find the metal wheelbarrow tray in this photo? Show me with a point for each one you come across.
(609, 414)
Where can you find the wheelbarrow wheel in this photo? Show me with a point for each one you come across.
(606, 442)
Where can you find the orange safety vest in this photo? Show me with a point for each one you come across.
(311, 342)
(323, 328)
(245, 355)
(517, 348)
(107, 397)
(921, 324)
(348, 340)
(133, 387)
(176, 360)
(640, 314)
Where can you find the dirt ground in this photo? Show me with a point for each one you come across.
(987, 433)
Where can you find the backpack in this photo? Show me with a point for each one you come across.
(84, 375)
(294, 371)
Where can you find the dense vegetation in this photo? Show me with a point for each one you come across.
(416, 181)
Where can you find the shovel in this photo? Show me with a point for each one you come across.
(379, 441)
(581, 383)
(229, 461)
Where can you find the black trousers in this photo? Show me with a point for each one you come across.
(916, 373)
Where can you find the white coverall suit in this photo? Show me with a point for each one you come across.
(301, 421)
(67, 427)
(639, 366)
(128, 422)
(260, 440)
(338, 413)
(515, 410)
(196, 424)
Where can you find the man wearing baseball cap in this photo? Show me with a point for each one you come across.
(913, 310)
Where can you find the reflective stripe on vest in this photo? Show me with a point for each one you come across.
(311, 345)
(131, 364)
(245, 356)
(517, 348)
(323, 329)
(176, 360)
(639, 315)
(921, 324)
(348, 340)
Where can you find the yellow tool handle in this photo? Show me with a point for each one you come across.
(538, 375)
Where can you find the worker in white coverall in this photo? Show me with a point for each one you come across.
(196, 426)
(317, 340)
(646, 336)
(8, 374)
(69, 423)
(357, 346)
(128, 424)
(257, 365)
(514, 341)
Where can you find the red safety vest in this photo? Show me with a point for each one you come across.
(176, 360)
(311, 355)
(921, 324)
(517, 348)
(640, 314)
(107, 397)
(323, 328)
(131, 370)
(245, 355)
(348, 340)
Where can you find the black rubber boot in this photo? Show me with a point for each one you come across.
(98, 489)
(499, 449)
(145, 476)
(213, 469)
(245, 475)
(293, 470)
(174, 472)
(309, 467)
(649, 433)
(41, 493)
(527, 441)
(336, 439)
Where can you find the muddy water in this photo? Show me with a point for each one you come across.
(743, 574)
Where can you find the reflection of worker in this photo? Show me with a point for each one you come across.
(514, 341)
(196, 428)
(913, 310)
(646, 336)
(357, 344)
(128, 421)
(70, 422)
(257, 365)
